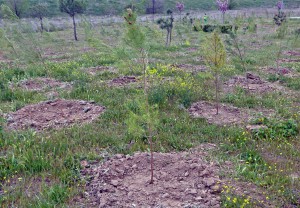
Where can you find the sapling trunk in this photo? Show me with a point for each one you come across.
(167, 40)
(74, 27)
(149, 128)
(42, 25)
(278, 55)
(170, 37)
(153, 9)
(217, 92)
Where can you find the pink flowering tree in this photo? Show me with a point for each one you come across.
(223, 6)
(280, 6)
(180, 7)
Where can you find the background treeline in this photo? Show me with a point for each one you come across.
(111, 7)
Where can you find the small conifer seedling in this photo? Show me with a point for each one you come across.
(215, 57)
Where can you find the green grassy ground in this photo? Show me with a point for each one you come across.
(42, 169)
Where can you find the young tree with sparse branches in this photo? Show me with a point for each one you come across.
(215, 57)
(19, 7)
(73, 7)
(167, 24)
(40, 11)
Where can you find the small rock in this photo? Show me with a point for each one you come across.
(130, 194)
(186, 174)
(193, 191)
(210, 182)
(114, 183)
(119, 156)
(198, 198)
(134, 166)
(87, 109)
(213, 202)
(82, 102)
(166, 195)
(216, 189)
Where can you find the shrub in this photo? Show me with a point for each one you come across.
(211, 28)
(276, 129)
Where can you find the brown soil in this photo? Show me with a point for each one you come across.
(181, 180)
(251, 83)
(40, 84)
(190, 67)
(228, 115)
(289, 60)
(100, 69)
(53, 114)
(281, 71)
(246, 189)
(121, 81)
(292, 53)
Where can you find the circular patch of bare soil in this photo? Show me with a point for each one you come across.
(250, 83)
(121, 81)
(54, 114)
(40, 84)
(227, 114)
(190, 67)
(281, 71)
(292, 53)
(100, 69)
(181, 180)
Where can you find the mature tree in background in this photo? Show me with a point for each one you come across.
(40, 11)
(73, 7)
(19, 7)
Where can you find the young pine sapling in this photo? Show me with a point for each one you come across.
(215, 57)
(142, 122)
(167, 24)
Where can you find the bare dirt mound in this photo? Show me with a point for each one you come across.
(100, 69)
(227, 114)
(281, 71)
(54, 114)
(190, 67)
(40, 84)
(292, 53)
(121, 81)
(251, 83)
(181, 180)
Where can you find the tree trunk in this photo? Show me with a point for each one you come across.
(217, 92)
(153, 9)
(167, 40)
(223, 17)
(170, 40)
(74, 26)
(145, 63)
(42, 25)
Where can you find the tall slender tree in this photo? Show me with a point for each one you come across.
(40, 11)
(73, 7)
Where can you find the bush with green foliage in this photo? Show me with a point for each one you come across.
(282, 129)
(210, 28)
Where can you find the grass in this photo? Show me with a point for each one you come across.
(49, 161)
